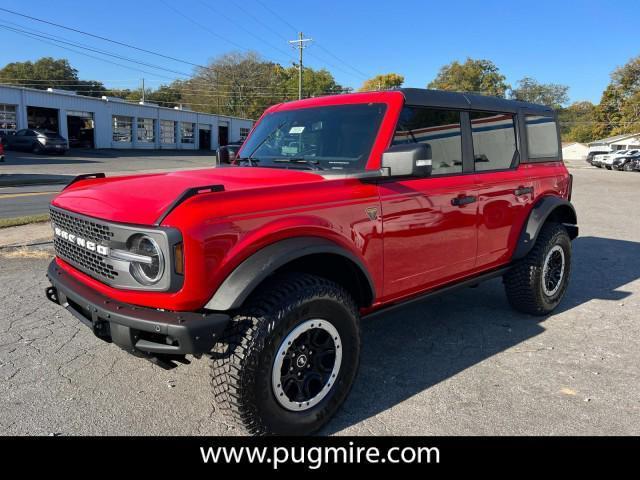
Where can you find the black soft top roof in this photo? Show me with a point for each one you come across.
(468, 101)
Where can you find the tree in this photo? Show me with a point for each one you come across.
(474, 76)
(49, 72)
(619, 108)
(243, 84)
(577, 122)
(385, 81)
(550, 94)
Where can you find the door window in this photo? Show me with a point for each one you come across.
(494, 140)
(438, 128)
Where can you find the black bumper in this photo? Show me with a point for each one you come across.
(138, 330)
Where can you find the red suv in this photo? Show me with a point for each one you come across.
(338, 208)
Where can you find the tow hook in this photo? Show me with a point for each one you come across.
(52, 294)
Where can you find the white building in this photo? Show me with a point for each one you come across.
(110, 122)
(574, 151)
(619, 142)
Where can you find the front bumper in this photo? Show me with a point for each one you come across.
(138, 330)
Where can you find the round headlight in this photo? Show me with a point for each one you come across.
(150, 271)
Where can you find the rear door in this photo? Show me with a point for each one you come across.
(429, 223)
(505, 187)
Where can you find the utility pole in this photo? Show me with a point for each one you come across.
(142, 89)
(300, 44)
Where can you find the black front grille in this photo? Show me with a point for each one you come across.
(89, 262)
(84, 259)
(87, 229)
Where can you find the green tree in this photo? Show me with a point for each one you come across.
(577, 122)
(49, 72)
(243, 84)
(385, 81)
(550, 94)
(619, 109)
(474, 76)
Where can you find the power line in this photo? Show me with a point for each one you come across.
(91, 56)
(116, 42)
(204, 27)
(239, 25)
(277, 16)
(94, 50)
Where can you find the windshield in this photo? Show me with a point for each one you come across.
(338, 137)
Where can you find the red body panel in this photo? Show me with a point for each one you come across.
(418, 241)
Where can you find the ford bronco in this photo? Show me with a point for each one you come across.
(335, 208)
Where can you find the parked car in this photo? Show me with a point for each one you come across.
(226, 154)
(620, 161)
(36, 141)
(592, 154)
(337, 208)
(1, 152)
(598, 160)
(632, 165)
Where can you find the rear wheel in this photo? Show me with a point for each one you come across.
(289, 358)
(538, 282)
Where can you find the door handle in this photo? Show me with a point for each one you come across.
(463, 200)
(522, 191)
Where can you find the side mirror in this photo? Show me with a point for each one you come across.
(223, 156)
(408, 160)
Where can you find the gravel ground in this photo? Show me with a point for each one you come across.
(459, 364)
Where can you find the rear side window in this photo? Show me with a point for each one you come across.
(494, 140)
(438, 128)
(542, 137)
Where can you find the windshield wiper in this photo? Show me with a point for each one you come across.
(251, 160)
(314, 164)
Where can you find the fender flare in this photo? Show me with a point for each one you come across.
(243, 280)
(538, 216)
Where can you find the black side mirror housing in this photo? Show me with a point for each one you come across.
(408, 160)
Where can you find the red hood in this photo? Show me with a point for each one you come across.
(141, 199)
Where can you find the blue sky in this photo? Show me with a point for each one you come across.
(571, 42)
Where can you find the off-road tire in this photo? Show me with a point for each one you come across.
(523, 283)
(243, 359)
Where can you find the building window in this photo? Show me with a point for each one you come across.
(244, 133)
(542, 137)
(146, 130)
(167, 131)
(494, 140)
(440, 129)
(186, 132)
(122, 129)
(7, 119)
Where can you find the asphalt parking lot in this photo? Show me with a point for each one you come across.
(464, 363)
(28, 182)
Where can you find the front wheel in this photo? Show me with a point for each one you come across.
(628, 167)
(289, 358)
(537, 283)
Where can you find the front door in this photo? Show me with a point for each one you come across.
(430, 231)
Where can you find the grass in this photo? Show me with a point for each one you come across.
(24, 252)
(14, 222)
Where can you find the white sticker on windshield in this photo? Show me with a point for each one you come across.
(296, 130)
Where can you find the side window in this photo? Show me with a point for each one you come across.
(20, 133)
(542, 137)
(438, 128)
(494, 140)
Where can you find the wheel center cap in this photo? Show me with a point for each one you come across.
(301, 361)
